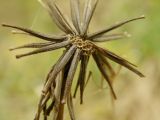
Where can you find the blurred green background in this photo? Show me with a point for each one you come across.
(21, 80)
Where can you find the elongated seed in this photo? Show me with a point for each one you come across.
(33, 45)
(71, 73)
(101, 32)
(102, 70)
(37, 34)
(59, 66)
(45, 49)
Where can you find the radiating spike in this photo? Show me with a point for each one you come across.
(54, 15)
(88, 78)
(101, 32)
(105, 61)
(50, 108)
(67, 21)
(37, 116)
(81, 78)
(58, 92)
(76, 89)
(52, 72)
(57, 16)
(86, 10)
(105, 38)
(51, 38)
(70, 76)
(102, 70)
(53, 86)
(75, 13)
(58, 109)
(83, 70)
(41, 105)
(87, 15)
(120, 61)
(44, 113)
(59, 66)
(45, 101)
(70, 107)
(78, 84)
(33, 45)
(46, 48)
(107, 52)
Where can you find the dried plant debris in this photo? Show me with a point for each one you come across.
(78, 46)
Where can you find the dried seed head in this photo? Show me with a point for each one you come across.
(79, 46)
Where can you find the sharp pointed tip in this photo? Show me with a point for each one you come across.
(142, 76)
(10, 49)
(115, 97)
(113, 93)
(74, 96)
(3, 24)
(18, 56)
(81, 102)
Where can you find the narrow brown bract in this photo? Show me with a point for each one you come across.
(78, 47)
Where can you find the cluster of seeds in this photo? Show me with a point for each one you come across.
(84, 45)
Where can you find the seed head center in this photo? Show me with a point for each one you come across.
(85, 45)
